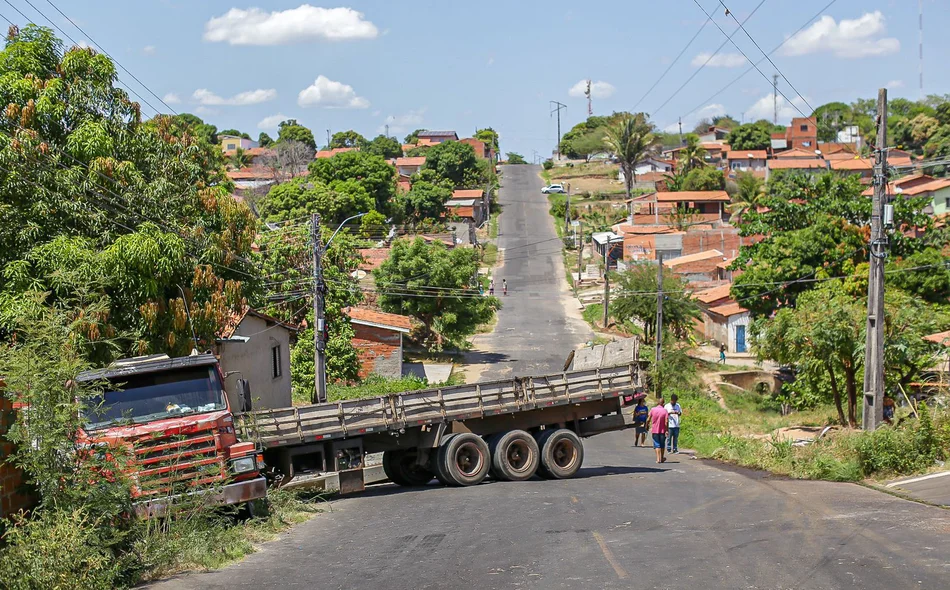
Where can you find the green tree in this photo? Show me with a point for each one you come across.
(693, 155)
(414, 136)
(704, 179)
(426, 201)
(235, 133)
(373, 225)
(589, 144)
(751, 136)
(264, 140)
(347, 139)
(831, 119)
(386, 147)
(749, 194)
(370, 171)
(725, 122)
(515, 158)
(290, 130)
(298, 198)
(636, 301)
(436, 286)
(240, 159)
(489, 136)
(453, 161)
(630, 139)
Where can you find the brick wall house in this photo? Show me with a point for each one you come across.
(11, 478)
(378, 341)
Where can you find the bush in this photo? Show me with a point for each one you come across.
(901, 450)
(548, 164)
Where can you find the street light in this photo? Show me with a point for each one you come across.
(319, 305)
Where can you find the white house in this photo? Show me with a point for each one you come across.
(648, 165)
(747, 160)
(728, 324)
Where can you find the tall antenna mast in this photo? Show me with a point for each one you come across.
(775, 99)
(590, 107)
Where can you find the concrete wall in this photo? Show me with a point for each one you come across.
(723, 330)
(749, 380)
(380, 351)
(253, 360)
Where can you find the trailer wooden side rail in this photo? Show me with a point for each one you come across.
(452, 433)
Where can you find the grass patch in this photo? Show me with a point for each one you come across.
(593, 313)
(374, 386)
(583, 170)
(490, 255)
(493, 226)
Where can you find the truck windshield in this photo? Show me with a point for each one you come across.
(155, 396)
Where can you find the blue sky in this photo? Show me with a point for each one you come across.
(452, 65)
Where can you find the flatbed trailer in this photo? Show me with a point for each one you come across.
(511, 429)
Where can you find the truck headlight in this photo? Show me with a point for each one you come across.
(243, 465)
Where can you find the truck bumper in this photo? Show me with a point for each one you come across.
(232, 493)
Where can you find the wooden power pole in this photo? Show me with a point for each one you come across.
(658, 386)
(319, 344)
(874, 343)
(580, 252)
(606, 282)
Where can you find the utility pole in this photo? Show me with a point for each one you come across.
(567, 214)
(387, 130)
(606, 283)
(580, 252)
(874, 343)
(319, 345)
(557, 109)
(659, 323)
(590, 107)
(328, 139)
(680, 121)
(775, 99)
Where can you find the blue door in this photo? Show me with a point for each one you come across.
(740, 338)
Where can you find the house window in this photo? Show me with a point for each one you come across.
(806, 144)
(804, 128)
(275, 361)
(946, 202)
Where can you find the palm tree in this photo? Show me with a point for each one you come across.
(240, 159)
(630, 139)
(692, 155)
(750, 194)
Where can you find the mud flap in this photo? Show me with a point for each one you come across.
(351, 481)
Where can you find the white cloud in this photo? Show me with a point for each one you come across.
(403, 123)
(894, 84)
(329, 94)
(149, 50)
(283, 27)
(272, 121)
(711, 110)
(720, 60)
(171, 98)
(860, 37)
(762, 109)
(206, 97)
(599, 89)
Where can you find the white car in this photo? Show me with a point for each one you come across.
(554, 188)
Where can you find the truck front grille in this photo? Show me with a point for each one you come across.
(174, 463)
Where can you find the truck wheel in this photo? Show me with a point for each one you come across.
(463, 459)
(401, 468)
(514, 455)
(561, 454)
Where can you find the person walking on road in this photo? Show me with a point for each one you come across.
(491, 287)
(640, 413)
(673, 438)
(659, 426)
(504, 286)
(722, 353)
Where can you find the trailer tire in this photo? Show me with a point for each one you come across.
(401, 468)
(562, 454)
(463, 459)
(515, 455)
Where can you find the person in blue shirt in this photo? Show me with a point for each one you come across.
(640, 413)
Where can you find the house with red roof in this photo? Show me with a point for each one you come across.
(655, 208)
(378, 340)
(921, 185)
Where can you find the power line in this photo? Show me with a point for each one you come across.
(739, 49)
(776, 48)
(711, 56)
(781, 73)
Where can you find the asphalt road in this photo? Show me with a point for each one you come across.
(623, 523)
(535, 331)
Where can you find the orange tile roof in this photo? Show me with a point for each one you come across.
(795, 164)
(795, 153)
(626, 228)
(852, 164)
(252, 173)
(942, 338)
(747, 154)
(725, 263)
(708, 254)
(714, 294)
(361, 315)
(235, 317)
(915, 189)
(330, 153)
(411, 161)
(373, 258)
(468, 193)
(729, 309)
(680, 196)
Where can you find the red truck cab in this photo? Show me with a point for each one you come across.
(174, 417)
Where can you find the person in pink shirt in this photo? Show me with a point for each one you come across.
(659, 426)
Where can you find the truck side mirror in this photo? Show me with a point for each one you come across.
(244, 394)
